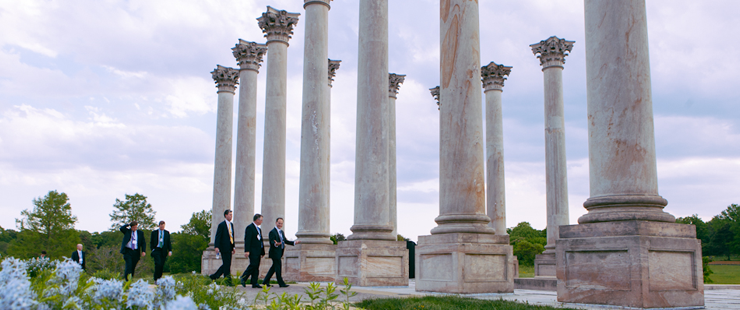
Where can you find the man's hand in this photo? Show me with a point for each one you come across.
(143, 254)
(217, 251)
(277, 244)
(170, 254)
(297, 241)
(233, 252)
(246, 254)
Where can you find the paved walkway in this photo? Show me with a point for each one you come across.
(716, 297)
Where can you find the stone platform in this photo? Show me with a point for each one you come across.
(239, 263)
(462, 263)
(310, 263)
(544, 264)
(373, 262)
(537, 284)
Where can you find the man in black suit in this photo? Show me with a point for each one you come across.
(79, 256)
(133, 247)
(277, 246)
(161, 248)
(254, 249)
(224, 245)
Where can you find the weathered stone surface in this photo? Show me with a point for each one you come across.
(373, 262)
(310, 263)
(464, 263)
(394, 84)
(544, 265)
(598, 264)
(537, 284)
(239, 263)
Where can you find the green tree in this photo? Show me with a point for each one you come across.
(49, 226)
(702, 229)
(199, 224)
(6, 237)
(337, 237)
(187, 252)
(135, 208)
(526, 251)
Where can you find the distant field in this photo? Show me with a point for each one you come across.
(724, 274)
(526, 271)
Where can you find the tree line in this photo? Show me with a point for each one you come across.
(50, 226)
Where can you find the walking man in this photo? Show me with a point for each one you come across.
(277, 247)
(133, 247)
(224, 245)
(79, 256)
(254, 249)
(161, 248)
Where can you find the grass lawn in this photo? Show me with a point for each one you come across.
(724, 274)
(443, 303)
(526, 271)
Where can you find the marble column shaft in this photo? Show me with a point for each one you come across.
(371, 220)
(226, 80)
(462, 180)
(552, 54)
(493, 76)
(394, 83)
(313, 197)
(621, 143)
(278, 28)
(249, 56)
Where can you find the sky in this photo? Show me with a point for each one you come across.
(99, 99)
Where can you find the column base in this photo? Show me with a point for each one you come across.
(465, 263)
(544, 265)
(239, 263)
(310, 263)
(373, 263)
(631, 264)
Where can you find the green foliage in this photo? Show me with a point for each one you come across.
(527, 242)
(48, 226)
(347, 293)
(199, 224)
(187, 252)
(203, 291)
(401, 238)
(446, 302)
(337, 237)
(106, 258)
(725, 274)
(135, 208)
(107, 274)
(6, 237)
(707, 271)
(106, 238)
(525, 252)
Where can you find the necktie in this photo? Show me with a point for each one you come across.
(161, 239)
(259, 235)
(282, 240)
(231, 234)
(133, 240)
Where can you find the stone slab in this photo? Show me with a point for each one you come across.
(372, 262)
(544, 265)
(310, 263)
(537, 284)
(239, 263)
(609, 263)
(465, 263)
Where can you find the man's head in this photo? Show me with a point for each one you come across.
(79, 247)
(161, 225)
(134, 225)
(43, 253)
(279, 223)
(257, 219)
(228, 215)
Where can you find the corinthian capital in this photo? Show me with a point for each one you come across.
(552, 51)
(226, 78)
(435, 94)
(278, 25)
(394, 83)
(333, 67)
(493, 76)
(249, 54)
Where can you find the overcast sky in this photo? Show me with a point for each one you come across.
(99, 99)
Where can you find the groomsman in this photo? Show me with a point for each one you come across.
(79, 256)
(161, 248)
(254, 249)
(224, 245)
(277, 246)
(133, 247)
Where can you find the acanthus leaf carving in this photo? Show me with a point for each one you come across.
(552, 51)
(493, 76)
(249, 54)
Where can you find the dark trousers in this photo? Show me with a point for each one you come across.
(277, 269)
(253, 270)
(132, 258)
(160, 257)
(225, 268)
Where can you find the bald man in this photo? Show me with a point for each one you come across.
(79, 256)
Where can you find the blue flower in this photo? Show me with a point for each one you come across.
(182, 303)
(140, 295)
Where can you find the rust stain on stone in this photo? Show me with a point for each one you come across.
(449, 51)
(445, 10)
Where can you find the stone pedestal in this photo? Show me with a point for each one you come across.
(630, 263)
(373, 262)
(310, 263)
(465, 263)
(209, 262)
(544, 265)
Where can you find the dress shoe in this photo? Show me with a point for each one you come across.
(256, 286)
(266, 284)
(286, 285)
(244, 282)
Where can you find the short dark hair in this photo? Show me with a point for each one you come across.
(226, 212)
(279, 218)
(43, 252)
(161, 222)
(134, 223)
(256, 217)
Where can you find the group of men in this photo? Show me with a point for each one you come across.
(133, 247)
(254, 250)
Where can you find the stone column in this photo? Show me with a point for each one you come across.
(313, 196)
(552, 52)
(475, 259)
(371, 256)
(626, 250)
(493, 76)
(435, 94)
(226, 80)
(278, 28)
(394, 83)
(249, 56)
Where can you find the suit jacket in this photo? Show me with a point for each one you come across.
(251, 243)
(141, 243)
(76, 258)
(154, 240)
(223, 242)
(276, 252)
